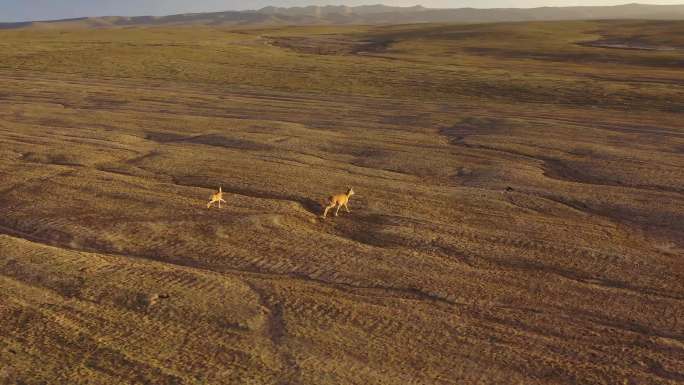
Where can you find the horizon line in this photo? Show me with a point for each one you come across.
(324, 6)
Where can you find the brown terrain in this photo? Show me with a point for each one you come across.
(518, 217)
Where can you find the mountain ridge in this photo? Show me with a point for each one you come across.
(371, 14)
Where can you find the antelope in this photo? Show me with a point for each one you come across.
(339, 201)
(216, 197)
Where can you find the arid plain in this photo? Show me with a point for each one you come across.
(518, 217)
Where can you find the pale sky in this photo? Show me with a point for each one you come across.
(22, 10)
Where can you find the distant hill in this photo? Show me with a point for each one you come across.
(371, 14)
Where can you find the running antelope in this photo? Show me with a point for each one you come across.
(216, 197)
(339, 201)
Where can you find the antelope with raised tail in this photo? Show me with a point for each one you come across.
(216, 197)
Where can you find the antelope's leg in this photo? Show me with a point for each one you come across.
(346, 208)
(338, 209)
(328, 207)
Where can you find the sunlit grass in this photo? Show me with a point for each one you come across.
(509, 62)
